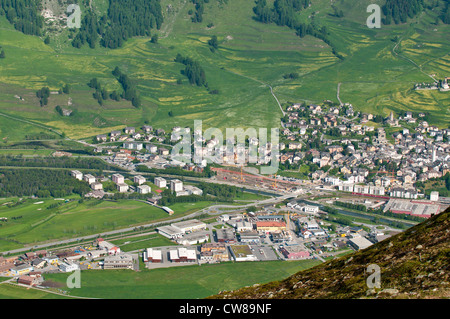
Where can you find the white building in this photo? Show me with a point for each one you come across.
(97, 186)
(176, 185)
(143, 189)
(77, 174)
(89, 178)
(170, 232)
(151, 148)
(183, 254)
(244, 226)
(123, 261)
(311, 209)
(189, 226)
(434, 196)
(139, 179)
(133, 145)
(160, 182)
(122, 187)
(152, 255)
(118, 179)
(68, 267)
(192, 190)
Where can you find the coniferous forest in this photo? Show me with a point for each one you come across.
(40, 183)
(398, 11)
(23, 14)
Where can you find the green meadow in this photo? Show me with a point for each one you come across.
(374, 76)
(36, 223)
(185, 282)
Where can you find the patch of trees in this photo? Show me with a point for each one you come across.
(199, 10)
(2, 53)
(40, 183)
(24, 15)
(130, 92)
(359, 207)
(292, 76)
(100, 93)
(193, 71)
(43, 95)
(220, 190)
(168, 198)
(59, 110)
(213, 43)
(398, 11)
(88, 32)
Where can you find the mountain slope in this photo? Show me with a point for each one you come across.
(413, 264)
(377, 74)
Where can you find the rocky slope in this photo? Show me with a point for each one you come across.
(413, 264)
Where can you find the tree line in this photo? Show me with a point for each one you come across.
(193, 71)
(129, 88)
(54, 162)
(129, 93)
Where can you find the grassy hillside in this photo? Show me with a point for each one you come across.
(35, 222)
(413, 264)
(374, 76)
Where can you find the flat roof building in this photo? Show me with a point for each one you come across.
(170, 232)
(89, 178)
(270, 226)
(183, 254)
(139, 179)
(242, 253)
(190, 225)
(226, 235)
(360, 243)
(295, 252)
(160, 182)
(68, 267)
(176, 185)
(152, 255)
(118, 179)
(122, 187)
(77, 174)
(143, 189)
(123, 261)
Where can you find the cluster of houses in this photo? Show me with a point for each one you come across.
(29, 268)
(351, 162)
